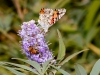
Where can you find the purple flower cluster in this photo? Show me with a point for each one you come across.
(33, 37)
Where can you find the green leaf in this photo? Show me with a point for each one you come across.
(21, 66)
(92, 32)
(94, 7)
(64, 3)
(77, 39)
(14, 71)
(5, 23)
(32, 63)
(59, 3)
(45, 66)
(96, 68)
(80, 70)
(55, 4)
(61, 70)
(71, 56)
(62, 48)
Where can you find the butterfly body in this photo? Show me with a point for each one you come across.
(49, 16)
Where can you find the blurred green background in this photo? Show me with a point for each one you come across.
(80, 29)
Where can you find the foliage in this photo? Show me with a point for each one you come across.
(80, 28)
(41, 69)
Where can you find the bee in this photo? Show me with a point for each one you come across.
(32, 50)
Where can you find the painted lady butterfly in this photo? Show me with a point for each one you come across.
(49, 16)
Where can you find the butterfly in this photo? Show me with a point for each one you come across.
(48, 17)
(32, 50)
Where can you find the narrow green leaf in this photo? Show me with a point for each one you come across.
(61, 70)
(80, 70)
(92, 32)
(78, 40)
(96, 68)
(45, 66)
(14, 71)
(64, 3)
(60, 3)
(21, 66)
(94, 7)
(62, 48)
(8, 19)
(55, 4)
(5, 23)
(1, 23)
(71, 56)
(32, 63)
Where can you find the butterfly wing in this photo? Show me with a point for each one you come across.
(49, 16)
(44, 18)
(57, 14)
